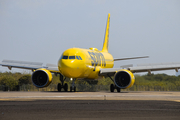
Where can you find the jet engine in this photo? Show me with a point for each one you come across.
(124, 79)
(41, 78)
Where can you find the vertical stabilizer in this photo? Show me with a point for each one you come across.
(106, 37)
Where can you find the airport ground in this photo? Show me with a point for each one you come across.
(90, 105)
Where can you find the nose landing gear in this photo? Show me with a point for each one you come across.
(73, 87)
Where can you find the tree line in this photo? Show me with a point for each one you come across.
(14, 80)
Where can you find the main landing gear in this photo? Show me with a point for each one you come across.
(112, 86)
(64, 86)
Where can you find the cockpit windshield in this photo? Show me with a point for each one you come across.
(65, 57)
(72, 57)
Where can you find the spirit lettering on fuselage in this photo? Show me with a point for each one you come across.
(97, 59)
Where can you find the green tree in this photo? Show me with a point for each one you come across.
(9, 82)
(26, 79)
(105, 81)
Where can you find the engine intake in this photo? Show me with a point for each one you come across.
(41, 78)
(124, 79)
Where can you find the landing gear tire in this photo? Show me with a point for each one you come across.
(62, 85)
(59, 87)
(74, 89)
(65, 87)
(71, 89)
(112, 87)
(118, 89)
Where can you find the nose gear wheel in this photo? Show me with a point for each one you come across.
(73, 87)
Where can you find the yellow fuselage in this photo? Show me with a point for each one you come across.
(84, 63)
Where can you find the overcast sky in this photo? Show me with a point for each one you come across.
(40, 30)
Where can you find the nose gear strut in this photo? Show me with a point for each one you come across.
(73, 87)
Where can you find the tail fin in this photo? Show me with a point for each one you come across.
(106, 37)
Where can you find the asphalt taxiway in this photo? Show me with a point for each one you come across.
(90, 105)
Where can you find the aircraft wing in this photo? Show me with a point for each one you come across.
(142, 68)
(28, 65)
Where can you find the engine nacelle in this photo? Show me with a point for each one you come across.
(124, 79)
(41, 78)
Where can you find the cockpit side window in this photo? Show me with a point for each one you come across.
(61, 57)
(65, 57)
(80, 57)
(71, 57)
(77, 57)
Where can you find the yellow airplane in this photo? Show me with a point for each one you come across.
(78, 63)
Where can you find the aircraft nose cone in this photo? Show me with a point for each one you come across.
(70, 68)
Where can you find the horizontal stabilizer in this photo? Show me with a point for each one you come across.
(155, 64)
(131, 58)
(126, 66)
(52, 67)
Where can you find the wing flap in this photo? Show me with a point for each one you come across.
(155, 67)
(52, 67)
(28, 65)
(108, 71)
(142, 68)
(21, 64)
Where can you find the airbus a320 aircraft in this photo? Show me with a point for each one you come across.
(78, 63)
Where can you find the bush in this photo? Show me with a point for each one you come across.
(9, 82)
(26, 79)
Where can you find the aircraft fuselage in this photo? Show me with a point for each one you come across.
(84, 63)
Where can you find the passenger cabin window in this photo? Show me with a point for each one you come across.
(71, 57)
(65, 57)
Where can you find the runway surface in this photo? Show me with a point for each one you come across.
(90, 105)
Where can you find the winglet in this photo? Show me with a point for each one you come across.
(106, 37)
